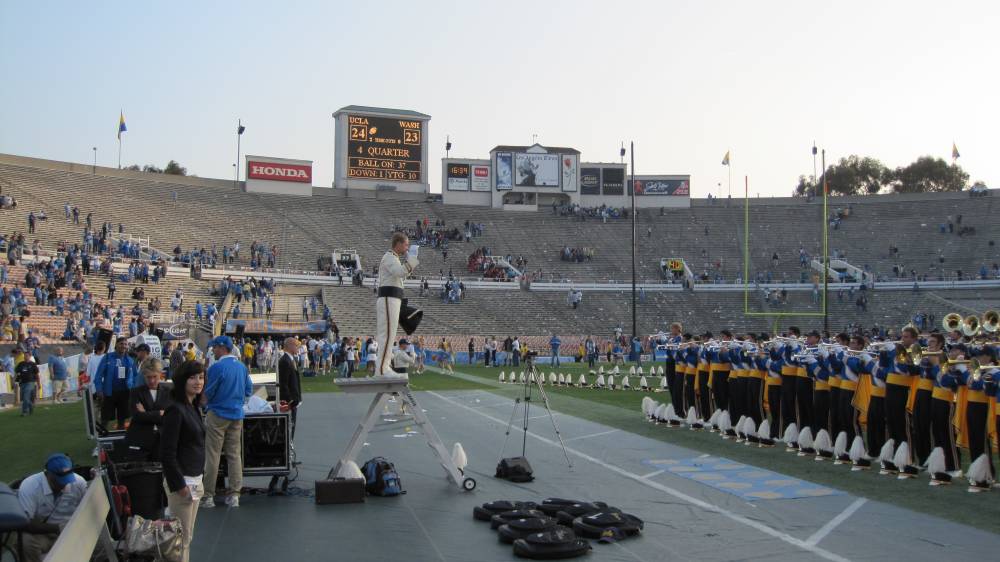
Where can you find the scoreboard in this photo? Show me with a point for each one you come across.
(384, 148)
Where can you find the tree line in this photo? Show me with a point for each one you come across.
(172, 168)
(856, 175)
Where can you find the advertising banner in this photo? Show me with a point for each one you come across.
(505, 171)
(480, 178)
(570, 172)
(279, 172)
(662, 186)
(590, 181)
(536, 170)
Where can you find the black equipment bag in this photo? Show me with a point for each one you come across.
(515, 469)
(520, 528)
(553, 544)
(552, 506)
(504, 517)
(593, 526)
(569, 513)
(409, 317)
(486, 511)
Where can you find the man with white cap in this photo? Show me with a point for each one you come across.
(49, 499)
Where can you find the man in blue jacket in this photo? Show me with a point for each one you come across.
(227, 386)
(554, 343)
(116, 374)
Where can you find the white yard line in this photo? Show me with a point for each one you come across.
(652, 474)
(578, 437)
(836, 521)
(785, 537)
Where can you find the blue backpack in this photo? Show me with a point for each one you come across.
(381, 478)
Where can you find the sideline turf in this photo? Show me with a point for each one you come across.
(621, 409)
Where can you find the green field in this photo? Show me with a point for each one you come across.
(27, 441)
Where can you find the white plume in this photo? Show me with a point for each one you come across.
(840, 445)
(458, 456)
(885, 455)
(791, 434)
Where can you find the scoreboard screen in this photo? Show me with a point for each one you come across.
(384, 148)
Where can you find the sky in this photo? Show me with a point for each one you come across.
(683, 81)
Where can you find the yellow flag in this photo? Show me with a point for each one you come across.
(725, 159)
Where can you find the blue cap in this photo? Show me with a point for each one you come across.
(61, 467)
(224, 341)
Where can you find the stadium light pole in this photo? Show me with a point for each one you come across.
(632, 192)
(239, 136)
(826, 249)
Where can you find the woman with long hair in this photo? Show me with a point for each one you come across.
(182, 448)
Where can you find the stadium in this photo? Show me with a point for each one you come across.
(662, 371)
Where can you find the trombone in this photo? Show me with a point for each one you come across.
(979, 375)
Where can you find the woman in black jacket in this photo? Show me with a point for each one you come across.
(182, 448)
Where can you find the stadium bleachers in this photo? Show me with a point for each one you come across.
(707, 235)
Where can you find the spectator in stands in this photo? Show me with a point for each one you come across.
(111, 288)
(472, 352)
(227, 386)
(26, 377)
(183, 450)
(49, 499)
(59, 373)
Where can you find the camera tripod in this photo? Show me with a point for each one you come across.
(533, 379)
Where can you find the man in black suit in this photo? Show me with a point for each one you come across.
(146, 405)
(289, 389)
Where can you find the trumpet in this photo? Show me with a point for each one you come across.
(979, 375)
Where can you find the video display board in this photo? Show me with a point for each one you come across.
(458, 177)
(536, 170)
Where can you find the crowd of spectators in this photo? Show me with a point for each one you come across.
(578, 212)
(578, 255)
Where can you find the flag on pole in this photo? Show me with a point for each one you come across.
(121, 125)
(954, 151)
(725, 159)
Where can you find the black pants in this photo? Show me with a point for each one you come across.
(676, 385)
(720, 391)
(670, 371)
(753, 406)
(876, 425)
(737, 397)
(979, 439)
(115, 407)
(774, 404)
(895, 413)
(847, 415)
(804, 401)
(690, 400)
(788, 399)
(942, 413)
(835, 428)
(920, 426)
(704, 396)
(820, 411)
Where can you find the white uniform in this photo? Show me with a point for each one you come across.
(391, 273)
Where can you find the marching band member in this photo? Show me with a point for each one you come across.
(818, 371)
(855, 394)
(972, 415)
(772, 363)
(675, 378)
(789, 396)
(737, 384)
(703, 387)
(691, 354)
(897, 363)
(919, 405)
(942, 408)
(804, 388)
(835, 363)
(753, 385)
(719, 368)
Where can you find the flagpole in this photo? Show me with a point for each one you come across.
(119, 151)
(730, 166)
